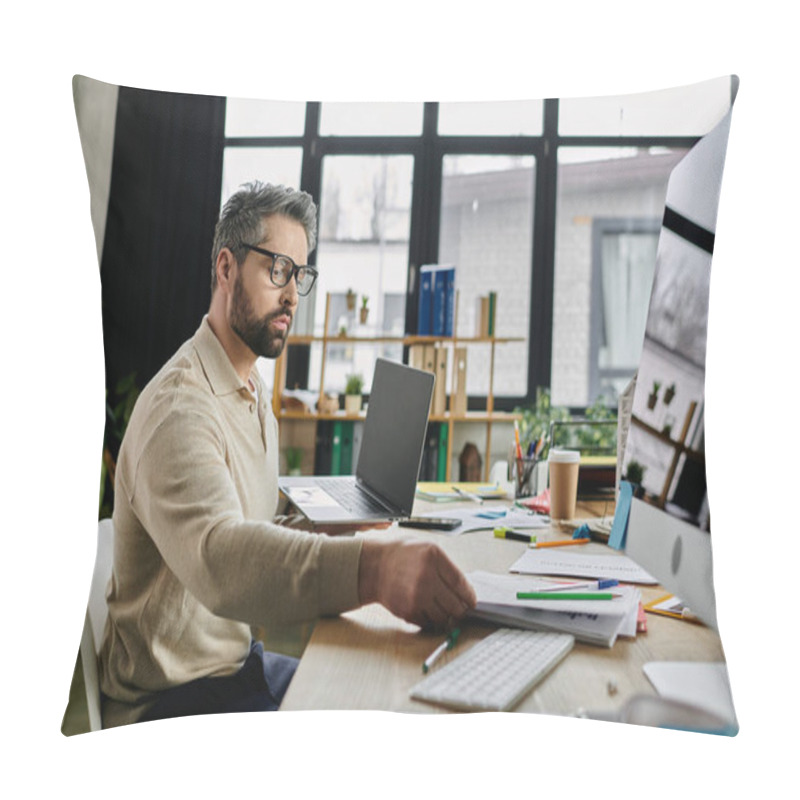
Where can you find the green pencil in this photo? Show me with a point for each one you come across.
(565, 596)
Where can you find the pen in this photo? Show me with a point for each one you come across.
(560, 543)
(468, 495)
(507, 533)
(447, 644)
(593, 585)
(565, 596)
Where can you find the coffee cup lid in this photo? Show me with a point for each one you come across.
(564, 456)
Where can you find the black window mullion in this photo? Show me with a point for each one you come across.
(311, 171)
(540, 337)
(423, 245)
(676, 142)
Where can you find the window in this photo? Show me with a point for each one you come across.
(261, 118)
(486, 230)
(502, 118)
(365, 214)
(371, 119)
(603, 268)
(623, 263)
(680, 111)
(555, 205)
(270, 165)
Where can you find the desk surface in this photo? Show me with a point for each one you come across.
(369, 659)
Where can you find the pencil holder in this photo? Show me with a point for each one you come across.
(523, 474)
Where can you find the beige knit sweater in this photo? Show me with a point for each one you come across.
(197, 557)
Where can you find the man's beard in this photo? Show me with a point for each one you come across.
(257, 334)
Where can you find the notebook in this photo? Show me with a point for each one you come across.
(385, 481)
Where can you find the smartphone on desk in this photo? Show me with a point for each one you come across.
(431, 523)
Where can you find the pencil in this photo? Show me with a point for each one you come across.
(565, 596)
(560, 543)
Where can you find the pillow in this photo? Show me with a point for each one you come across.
(160, 164)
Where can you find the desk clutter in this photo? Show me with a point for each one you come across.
(552, 596)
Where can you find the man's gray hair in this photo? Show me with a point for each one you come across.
(242, 218)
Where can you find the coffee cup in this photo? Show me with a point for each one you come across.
(564, 466)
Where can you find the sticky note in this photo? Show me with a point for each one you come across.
(619, 528)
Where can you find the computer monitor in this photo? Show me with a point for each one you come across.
(669, 530)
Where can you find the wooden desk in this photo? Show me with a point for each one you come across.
(368, 659)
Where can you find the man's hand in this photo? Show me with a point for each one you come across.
(414, 580)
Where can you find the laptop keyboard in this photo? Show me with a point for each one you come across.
(352, 498)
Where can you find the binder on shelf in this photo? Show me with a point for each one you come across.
(336, 448)
(436, 309)
(458, 399)
(425, 306)
(429, 469)
(442, 460)
(346, 459)
(450, 304)
(492, 313)
(429, 358)
(322, 448)
(416, 356)
(439, 400)
(482, 328)
(443, 299)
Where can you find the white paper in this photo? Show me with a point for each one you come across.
(584, 627)
(703, 685)
(478, 518)
(580, 565)
(502, 590)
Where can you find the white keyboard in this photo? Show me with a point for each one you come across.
(497, 672)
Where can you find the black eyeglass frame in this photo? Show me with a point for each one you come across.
(293, 274)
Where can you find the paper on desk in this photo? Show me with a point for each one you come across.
(703, 685)
(478, 518)
(437, 492)
(494, 605)
(580, 565)
(502, 590)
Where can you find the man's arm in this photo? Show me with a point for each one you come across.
(414, 580)
(257, 571)
(250, 570)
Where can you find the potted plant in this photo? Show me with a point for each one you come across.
(294, 455)
(669, 393)
(634, 473)
(653, 396)
(351, 300)
(364, 311)
(352, 394)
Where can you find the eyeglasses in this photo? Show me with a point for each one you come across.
(283, 268)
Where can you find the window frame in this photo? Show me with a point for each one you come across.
(428, 151)
(602, 226)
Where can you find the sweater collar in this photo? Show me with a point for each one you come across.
(221, 375)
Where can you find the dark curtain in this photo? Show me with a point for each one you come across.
(164, 202)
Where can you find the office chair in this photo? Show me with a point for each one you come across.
(96, 613)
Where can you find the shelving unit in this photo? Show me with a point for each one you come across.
(486, 417)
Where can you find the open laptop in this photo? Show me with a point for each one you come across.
(388, 465)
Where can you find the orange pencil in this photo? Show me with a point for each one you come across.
(516, 438)
(560, 543)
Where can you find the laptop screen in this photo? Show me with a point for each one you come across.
(394, 431)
